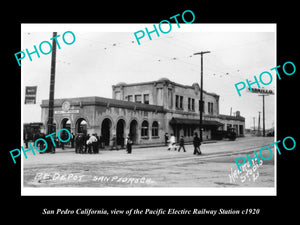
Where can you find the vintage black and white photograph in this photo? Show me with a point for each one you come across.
(131, 109)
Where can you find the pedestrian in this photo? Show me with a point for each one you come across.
(114, 143)
(92, 144)
(129, 144)
(76, 143)
(181, 144)
(197, 144)
(63, 137)
(72, 140)
(166, 139)
(86, 138)
(41, 143)
(89, 146)
(172, 143)
(80, 143)
(56, 140)
(51, 146)
(97, 143)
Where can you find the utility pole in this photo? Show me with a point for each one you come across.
(258, 129)
(50, 126)
(201, 92)
(254, 124)
(264, 132)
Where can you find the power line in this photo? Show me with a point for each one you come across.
(213, 66)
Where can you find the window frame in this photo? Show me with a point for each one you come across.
(135, 98)
(144, 99)
(145, 129)
(154, 130)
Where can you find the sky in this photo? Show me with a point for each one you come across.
(106, 54)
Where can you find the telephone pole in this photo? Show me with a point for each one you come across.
(201, 92)
(258, 129)
(264, 131)
(50, 125)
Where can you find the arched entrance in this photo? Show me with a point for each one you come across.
(66, 123)
(120, 132)
(105, 131)
(133, 131)
(81, 126)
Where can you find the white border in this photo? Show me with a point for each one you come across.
(82, 27)
(113, 191)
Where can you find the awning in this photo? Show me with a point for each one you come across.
(185, 121)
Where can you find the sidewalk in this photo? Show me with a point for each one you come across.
(163, 144)
(138, 146)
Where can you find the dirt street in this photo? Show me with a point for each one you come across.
(152, 167)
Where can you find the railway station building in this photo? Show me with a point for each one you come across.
(146, 111)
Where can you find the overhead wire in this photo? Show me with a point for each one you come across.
(215, 69)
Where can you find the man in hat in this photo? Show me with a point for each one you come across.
(181, 144)
(129, 144)
(196, 143)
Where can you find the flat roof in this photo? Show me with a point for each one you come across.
(227, 117)
(188, 121)
(100, 101)
(162, 80)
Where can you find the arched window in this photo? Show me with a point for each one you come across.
(155, 129)
(145, 127)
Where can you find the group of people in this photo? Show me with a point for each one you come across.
(87, 144)
(92, 144)
(172, 143)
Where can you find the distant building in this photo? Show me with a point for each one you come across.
(145, 110)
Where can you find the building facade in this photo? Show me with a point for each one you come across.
(146, 111)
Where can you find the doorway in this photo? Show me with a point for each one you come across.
(81, 126)
(105, 131)
(133, 131)
(120, 132)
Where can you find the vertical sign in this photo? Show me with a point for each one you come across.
(30, 94)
